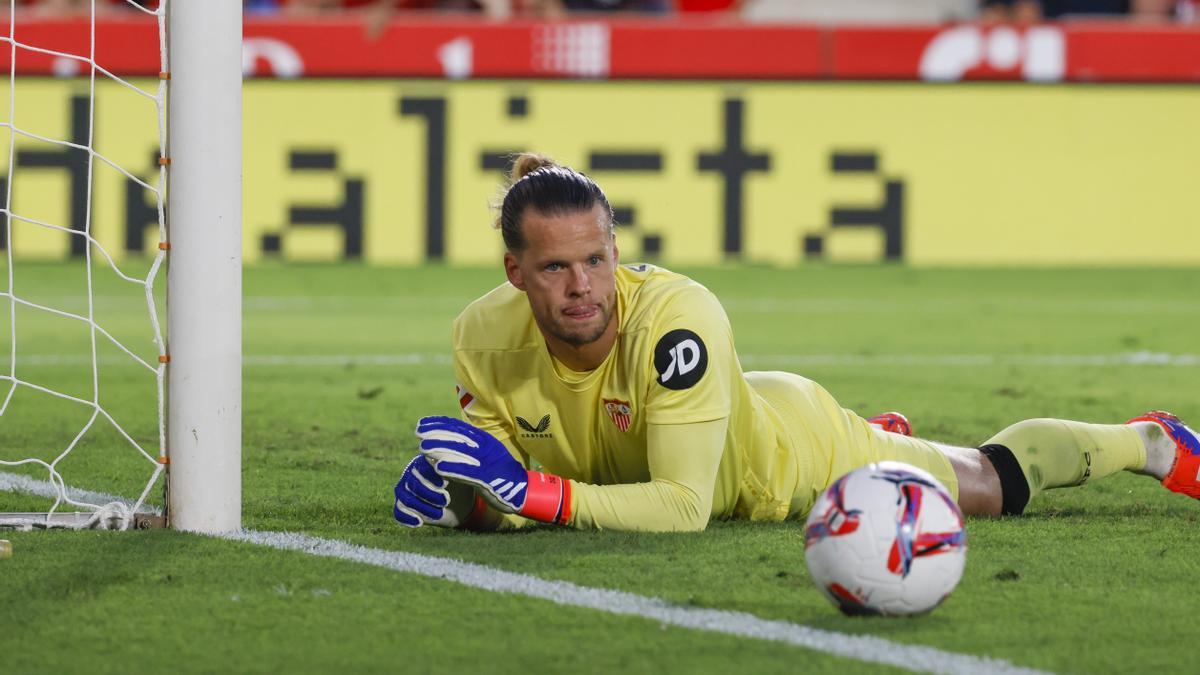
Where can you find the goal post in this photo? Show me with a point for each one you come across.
(204, 275)
(72, 419)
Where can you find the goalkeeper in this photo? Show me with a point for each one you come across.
(602, 396)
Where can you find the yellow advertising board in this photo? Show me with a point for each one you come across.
(401, 172)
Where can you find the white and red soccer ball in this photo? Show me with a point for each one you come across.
(885, 539)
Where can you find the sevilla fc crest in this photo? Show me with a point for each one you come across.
(619, 412)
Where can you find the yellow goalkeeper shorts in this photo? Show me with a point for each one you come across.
(836, 439)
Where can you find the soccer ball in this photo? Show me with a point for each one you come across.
(885, 539)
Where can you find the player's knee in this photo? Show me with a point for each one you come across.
(979, 488)
(695, 520)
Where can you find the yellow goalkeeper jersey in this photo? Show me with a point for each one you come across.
(665, 434)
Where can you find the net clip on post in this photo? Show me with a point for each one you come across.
(149, 521)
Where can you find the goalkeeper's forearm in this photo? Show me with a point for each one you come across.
(683, 463)
(657, 506)
(683, 460)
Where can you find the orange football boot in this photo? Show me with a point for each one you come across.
(1184, 476)
(892, 422)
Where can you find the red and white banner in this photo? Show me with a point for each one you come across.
(683, 48)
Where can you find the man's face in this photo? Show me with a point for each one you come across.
(568, 270)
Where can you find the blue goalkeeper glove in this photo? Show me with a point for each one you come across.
(425, 498)
(463, 453)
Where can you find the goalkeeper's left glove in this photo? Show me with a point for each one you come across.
(464, 453)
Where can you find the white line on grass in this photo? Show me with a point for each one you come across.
(1143, 358)
(864, 648)
(11, 482)
(404, 360)
(827, 305)
(909, 306)
(413, 359)
(255, 360)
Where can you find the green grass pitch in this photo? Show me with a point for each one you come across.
(1096, 579)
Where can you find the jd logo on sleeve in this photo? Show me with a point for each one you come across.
(680, 359)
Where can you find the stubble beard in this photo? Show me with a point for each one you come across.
(584, 335)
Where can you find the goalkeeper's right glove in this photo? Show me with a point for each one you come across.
(425, 498)
(467, 454)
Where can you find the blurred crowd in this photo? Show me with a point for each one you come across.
(1140, 10)
(879, 11)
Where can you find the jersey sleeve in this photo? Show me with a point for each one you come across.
(693, 362)
(479, 407)
(683, 461)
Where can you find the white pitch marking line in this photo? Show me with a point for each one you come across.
(255, 360)
(827, 305)
(864, 648)
(1142, 358)
(402, 360)
(13, 482)
(449, 304)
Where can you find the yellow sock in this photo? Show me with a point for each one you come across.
(1059, 453)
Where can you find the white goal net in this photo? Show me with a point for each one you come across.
(85, 423)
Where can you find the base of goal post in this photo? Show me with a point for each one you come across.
(75, 519)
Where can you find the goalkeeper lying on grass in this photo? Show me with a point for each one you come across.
(620, 384)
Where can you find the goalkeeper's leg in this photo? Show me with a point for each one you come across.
(1017, 464)
(1036, 455)
(999, 477)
